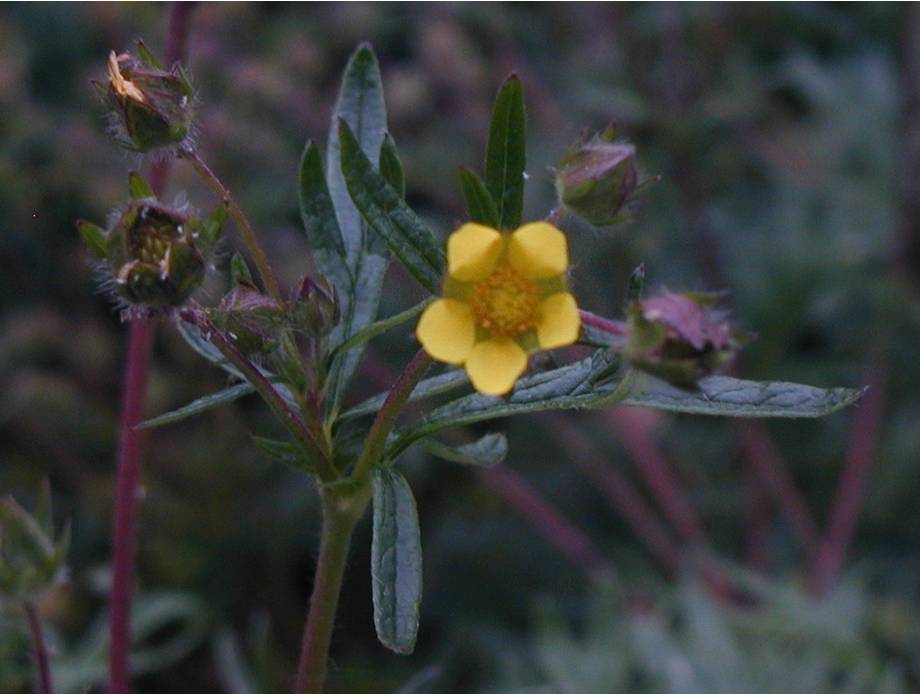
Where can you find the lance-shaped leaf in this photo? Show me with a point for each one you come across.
(94, 238)
(506, 156)
(361, 106)
(139, 187)
(488, 450)
(391, 167)
(205, 403)
(290, 453)
(389, 216)
(319, 221)
(479, 204)
(239, 271)
(396, 562)
(584, 384)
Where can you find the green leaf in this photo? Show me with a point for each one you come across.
(506, 155)
(396, 562)
(205, 403)
(319, 221)
(742, 398)
(361, 105)
(94, 238)
(139, 187)
(239, 271)
(636, 283)
(479, 202)
(290, 453)
(488, 450)
(391, 168)
(379, 327)
(147, 57)
(585, 384)
(389, 216)
(431, 386)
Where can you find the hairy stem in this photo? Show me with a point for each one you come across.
(124, 548)
(339, 520)
(242, 221)
(288, 417)
(376, 440)
(39, 649)
(131, 451)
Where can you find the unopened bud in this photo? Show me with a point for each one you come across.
(316, 307)
(597, 177)
(679, 337)
(152, 105)
(156, 254)
(251, 320)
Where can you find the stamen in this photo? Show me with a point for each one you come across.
(506, 302)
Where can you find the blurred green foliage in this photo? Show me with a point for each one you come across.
(777, 130)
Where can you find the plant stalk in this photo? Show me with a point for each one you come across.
(338, 524)
(242, 221)
(39, 649)
(376, 441)
(124, 548)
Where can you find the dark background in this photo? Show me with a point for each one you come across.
(787, 139)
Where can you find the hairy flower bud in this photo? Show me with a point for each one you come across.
(155, 254)
(250, 319)
(152, 106)
(679, 337)
(597, 177)
(315, 308)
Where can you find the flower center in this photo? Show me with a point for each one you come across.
(506, 302)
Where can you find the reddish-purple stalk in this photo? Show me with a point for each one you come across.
(851, 489)
(39, 649)
(656, 471)
(758, 514)
(137, 367)
(766, 461)
(564, 536)
(617, 328)
(622, 495)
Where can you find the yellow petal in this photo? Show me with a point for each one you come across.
(538, 250)
(473, 251)
(495, 365)
(447, 331)
(559, 321)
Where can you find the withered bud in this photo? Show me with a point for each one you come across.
(596, 178)
(315, 307)
(680, 338)
(152, 106)
(250, 319)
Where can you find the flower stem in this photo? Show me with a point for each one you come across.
(39, 649)
(131, 451)
(376, 440)
(288, 417)
(338, 524)
(140, 342)
(342, 508)
(242, 222)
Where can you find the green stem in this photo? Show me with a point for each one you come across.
(376, 440)
(340, 515)
(242, 222)
(39, 649)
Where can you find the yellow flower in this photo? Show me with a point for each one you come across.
(123, 88)
(505, 296)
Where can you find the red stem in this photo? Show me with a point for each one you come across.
(770, 468)
(39, 649)
(617, 328)
(131, 452)
(852, 487)
(656, 471)
(555, 528)
(140, 341)
(622, 494)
